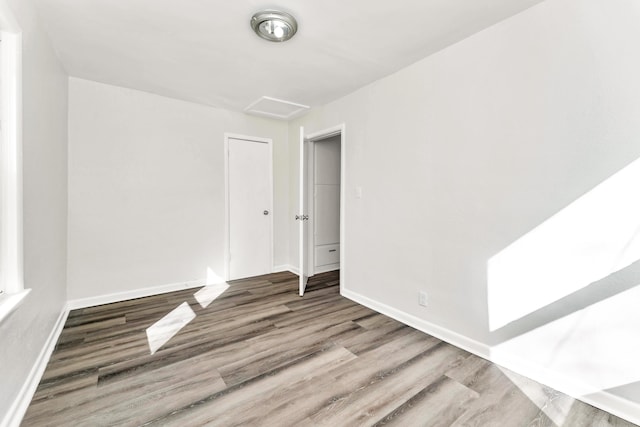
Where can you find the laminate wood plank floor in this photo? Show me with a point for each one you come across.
(259, 355)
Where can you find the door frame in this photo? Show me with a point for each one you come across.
(227, 216)
(320, 135)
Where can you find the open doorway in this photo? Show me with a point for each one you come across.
(322, 203)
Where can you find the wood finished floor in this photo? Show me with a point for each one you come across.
(259, 355)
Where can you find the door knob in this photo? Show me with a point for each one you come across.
(265, 212)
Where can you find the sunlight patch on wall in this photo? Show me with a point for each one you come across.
(587, 351)
(213, 278)
(595, 236)
(164, 329)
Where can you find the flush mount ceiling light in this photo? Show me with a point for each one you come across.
(274, 25)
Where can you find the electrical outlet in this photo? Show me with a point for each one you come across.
(422, 298)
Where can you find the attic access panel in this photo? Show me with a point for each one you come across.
(275, 108)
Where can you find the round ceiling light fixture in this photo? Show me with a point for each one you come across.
(274, 25)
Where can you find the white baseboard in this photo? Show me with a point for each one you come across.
(616, 405)
(326, 268)
(294, 270)
(422, 325)
(16, 412)
(132, 294)
(281, 268)
(604, 400)
(285, 267)
(573, 387)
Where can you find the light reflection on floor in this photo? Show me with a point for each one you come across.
(555, 405)
(209, 293)
(164, 329)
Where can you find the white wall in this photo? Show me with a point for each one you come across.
(24, 333)
(466, 151)
(146, 188)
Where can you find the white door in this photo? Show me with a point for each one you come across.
(302, 217)
(249, 186)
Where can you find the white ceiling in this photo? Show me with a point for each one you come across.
(205, 51)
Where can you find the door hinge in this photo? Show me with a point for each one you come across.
(302, 217)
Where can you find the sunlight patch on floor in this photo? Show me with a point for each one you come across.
(209, 293)
(555, 405)
(164, 329)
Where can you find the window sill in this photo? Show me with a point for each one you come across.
(9, 302)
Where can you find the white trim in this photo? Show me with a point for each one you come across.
(271, 204)
(326, 133)
(557, 380)
(227, 238)
(227, 219)
(311, 208)
(613, 404)
(341, 130)
(326, 268)
(9, 302)
(302, 207)
(444, 334)
(285, 267)
(132, 294)
(280, 268)
(11, 279)
(18, 408)
(577, 389)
